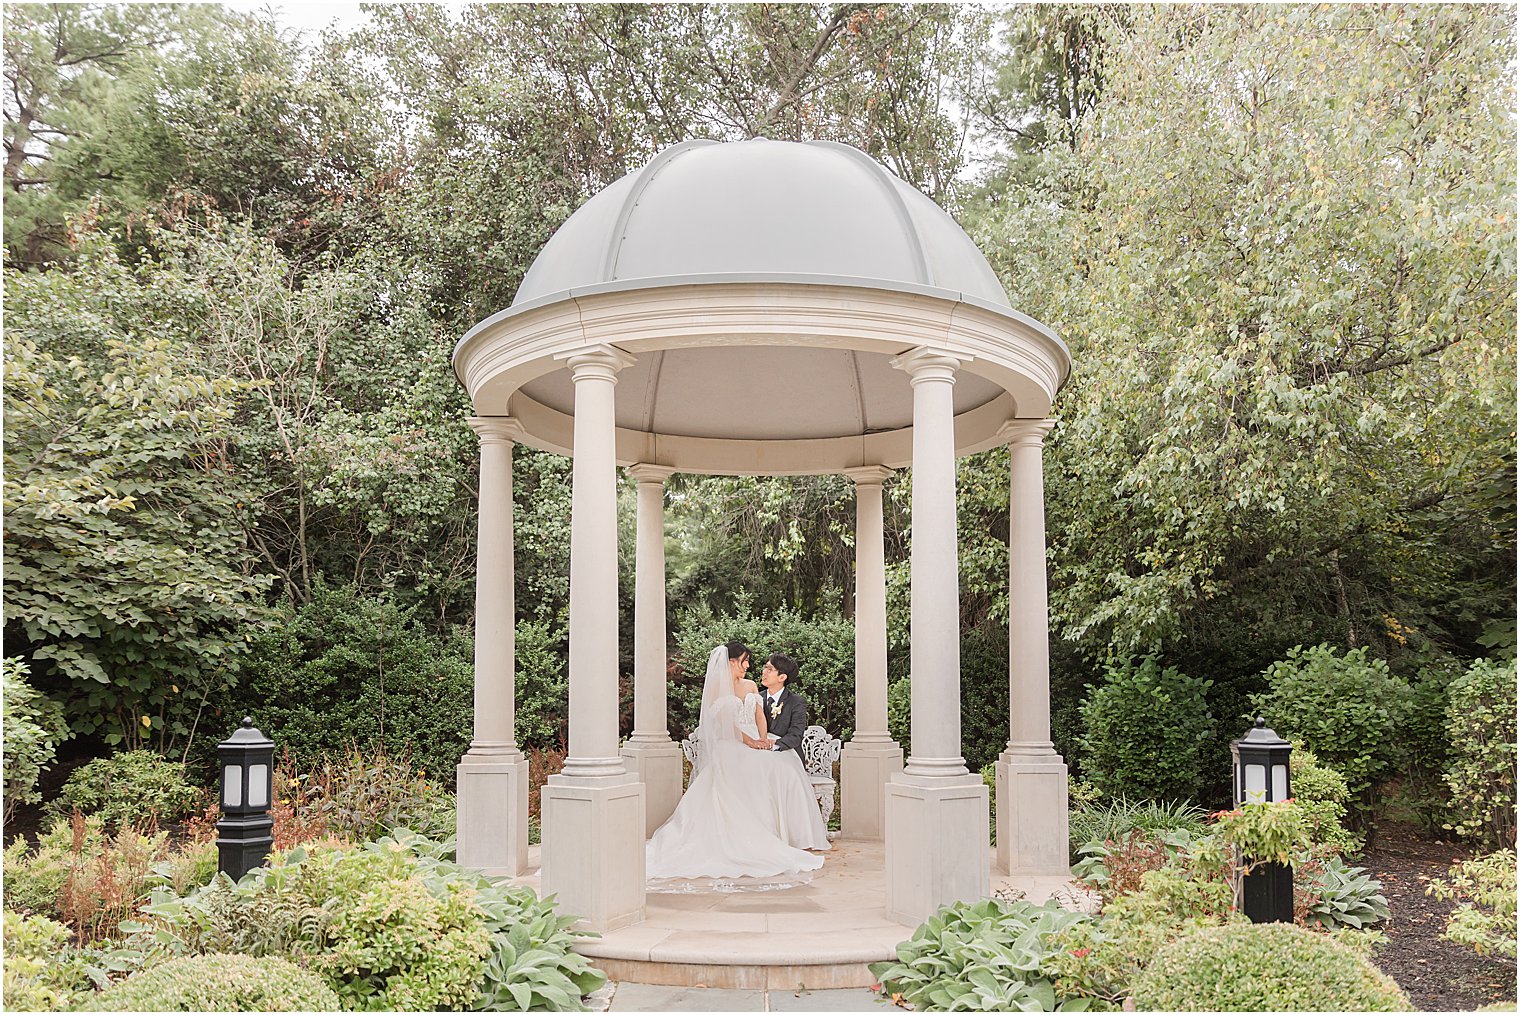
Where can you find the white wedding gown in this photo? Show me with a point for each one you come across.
(748, 813)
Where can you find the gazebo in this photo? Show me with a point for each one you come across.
(877, 337)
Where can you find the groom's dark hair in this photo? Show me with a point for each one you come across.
(784, 664)
(737, 650)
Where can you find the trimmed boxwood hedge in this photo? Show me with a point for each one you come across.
(221, 983)
(1264, 967)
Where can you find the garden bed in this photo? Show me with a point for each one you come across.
(1437, 975)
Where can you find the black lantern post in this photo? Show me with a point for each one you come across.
(244, 835)
(1261, 776)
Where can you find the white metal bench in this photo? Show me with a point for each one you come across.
(819, 753)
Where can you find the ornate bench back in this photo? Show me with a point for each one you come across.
(819, 751)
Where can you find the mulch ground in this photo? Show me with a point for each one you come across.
(1437, 975)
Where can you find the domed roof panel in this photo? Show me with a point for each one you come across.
(812, 212)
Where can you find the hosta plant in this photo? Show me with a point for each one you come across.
(1341, 896)
(982, 956)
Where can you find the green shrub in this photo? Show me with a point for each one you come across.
(982, 956)
(900, 712)
(1275, 831)
(392, 924)
(32, 946)
(1148, 730)
(1263, 967)
(824, 648)
(1480, 771)
(363, 795)
(1485, 918)
(34, 726)
(133, 788)
(348, 669)
(1092, 822)
(1322, 794)
(1346, 709)
(220, 983)
(1340, 896)
(81, 876)
(1098, 960)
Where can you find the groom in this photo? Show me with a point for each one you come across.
(785, 709)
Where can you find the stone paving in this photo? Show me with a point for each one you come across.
(644, 997)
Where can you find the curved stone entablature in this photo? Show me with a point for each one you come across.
(766, 401)
(763, 289)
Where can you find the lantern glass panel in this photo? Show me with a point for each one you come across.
(232, 786)
(1279, 782)
(258, 786)
(1256, 784)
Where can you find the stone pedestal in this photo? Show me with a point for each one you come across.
(936, 844)
(493, 812)
(1031, 830)
(593, 849)
(864, 769)
(658, 765)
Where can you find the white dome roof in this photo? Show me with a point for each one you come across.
(761, 210)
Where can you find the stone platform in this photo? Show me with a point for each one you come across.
(817, 936)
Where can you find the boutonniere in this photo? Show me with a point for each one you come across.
(776, 709)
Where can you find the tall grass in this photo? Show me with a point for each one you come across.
(1094, 822)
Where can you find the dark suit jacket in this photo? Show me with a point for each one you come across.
(791, 723)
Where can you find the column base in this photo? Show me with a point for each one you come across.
(1032, 835)
(593, 849)
(936, 844)
(864, 769)
(658, 765)
(492, 833)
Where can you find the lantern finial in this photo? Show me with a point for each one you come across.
(248, 722)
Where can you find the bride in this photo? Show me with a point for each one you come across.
(743, 804)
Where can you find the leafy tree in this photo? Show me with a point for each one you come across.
(126, 580)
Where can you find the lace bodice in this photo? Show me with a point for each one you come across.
(745, 717)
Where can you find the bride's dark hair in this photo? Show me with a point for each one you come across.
(738, 650)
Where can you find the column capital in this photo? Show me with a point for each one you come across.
(602, 361)
(870, 475)
(493, 429)
(1026, 433)
(645, 472)
(928, 363)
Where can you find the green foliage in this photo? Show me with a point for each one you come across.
(982, 956)
(1342, 896)
(392, 924)
(1263, 967)
(1275, 831)
(81, 876)
(1484, 888)
(1480, 772)
(1321, 794)
(362, 796)
(220, 983)
(131, 788)
(34, 727)
(824, 649)
(1304, 431)
(542, 687)
(349, 669)
(1346, 708)
(126, 581)
(1147, 731)
(1092, 822)
(32, 975)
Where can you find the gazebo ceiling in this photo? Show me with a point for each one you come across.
(762, 289)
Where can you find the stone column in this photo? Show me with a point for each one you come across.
(650, 753)
(1031, 776)
(593, 811)
(937, 811)
(493, 774)
(872, 756)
